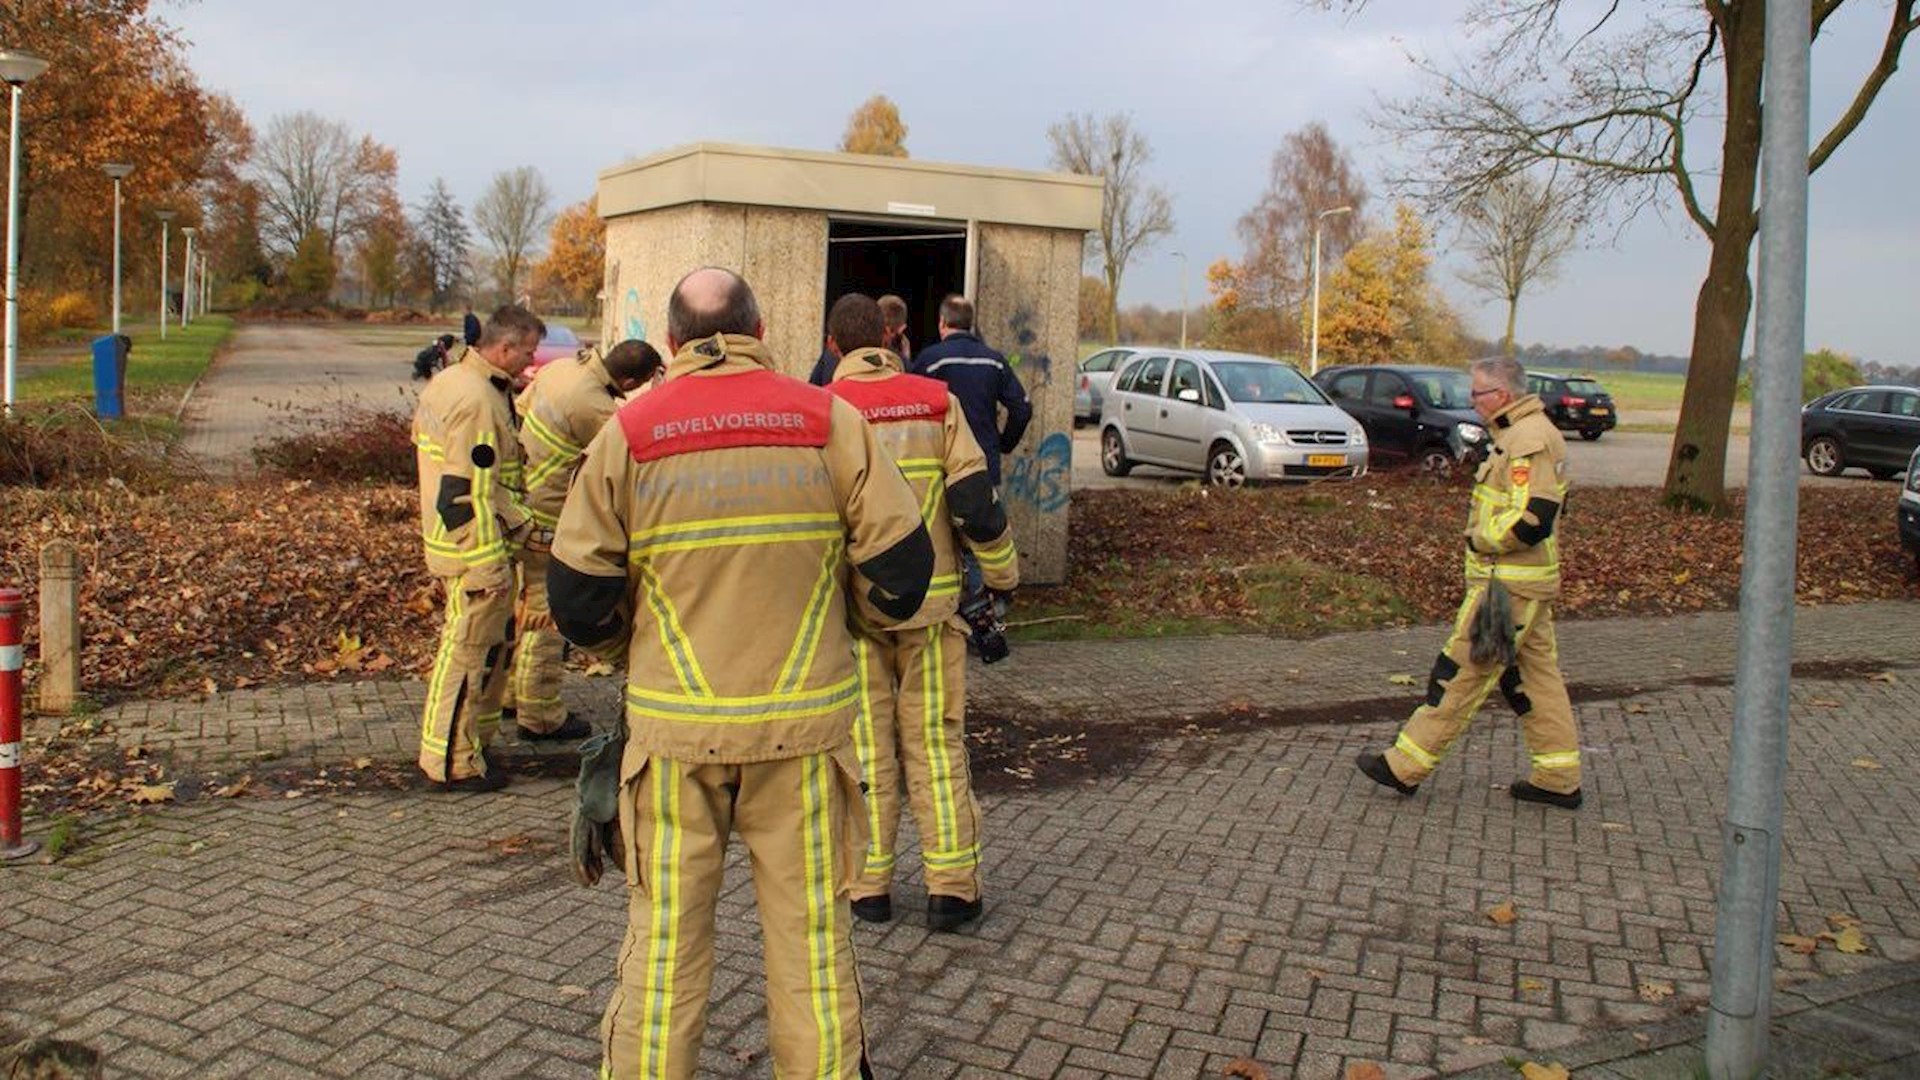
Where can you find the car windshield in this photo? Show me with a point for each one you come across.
(1446, 389)
(560, 335)
(1251, 381)
(1585, 386)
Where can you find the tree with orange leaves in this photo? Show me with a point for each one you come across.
(576, 255)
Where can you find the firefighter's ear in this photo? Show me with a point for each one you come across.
(760, 330)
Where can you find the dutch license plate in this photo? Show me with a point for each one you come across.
(1319, 461)
(1601, 411)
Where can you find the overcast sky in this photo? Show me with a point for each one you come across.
(464, 89)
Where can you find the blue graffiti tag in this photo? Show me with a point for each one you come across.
(1042, 478)
(636, 326)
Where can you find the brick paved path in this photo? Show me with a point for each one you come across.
(273, 376)
(1234, 889)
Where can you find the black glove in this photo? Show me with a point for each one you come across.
(595, 834)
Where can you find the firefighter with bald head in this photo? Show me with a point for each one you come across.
(473, 519)
(710, 538)
(911, 728)
(561, 411)
(1503, 635)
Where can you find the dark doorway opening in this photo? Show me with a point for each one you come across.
(919, 263)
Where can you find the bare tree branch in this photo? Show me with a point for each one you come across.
(1902, 24)
(1134, 213)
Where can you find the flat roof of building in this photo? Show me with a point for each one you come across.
(855, 184)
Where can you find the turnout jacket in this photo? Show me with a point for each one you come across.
(1518, 494)
(472, 481)
(708, 536)
(921, 427)
(560, 413)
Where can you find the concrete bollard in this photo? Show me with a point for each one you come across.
(59, 627)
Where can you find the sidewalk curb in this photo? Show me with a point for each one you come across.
(1622, 1045)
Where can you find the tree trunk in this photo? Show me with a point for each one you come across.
(1696, 471)
(1113, 304)
(1513, 316)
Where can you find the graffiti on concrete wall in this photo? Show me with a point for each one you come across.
(1042, 479)
(635, 323)
(1034, 368)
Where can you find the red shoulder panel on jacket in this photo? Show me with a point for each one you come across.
(896, 399)
(720, 412)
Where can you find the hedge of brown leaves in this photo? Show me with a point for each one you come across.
(210, 585)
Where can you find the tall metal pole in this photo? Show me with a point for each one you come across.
(166, 226)
(1182, 256)
(186, 281)
(1743, 947)
(1313, 350)
(206, 284)
(13, 239)
(118, 173)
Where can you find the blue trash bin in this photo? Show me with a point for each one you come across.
(110, 375)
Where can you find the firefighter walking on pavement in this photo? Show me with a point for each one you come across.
(910, 730)
(473, 518)
(1503, 635)
(560, 412)
(708, 538)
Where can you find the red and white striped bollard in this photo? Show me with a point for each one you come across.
(12, 659)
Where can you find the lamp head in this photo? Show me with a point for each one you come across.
(117, 171)
(164, 215)
(19, 67)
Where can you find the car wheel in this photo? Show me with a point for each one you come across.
(1591, 434)
(1436, 460)
(1225, 467)
(1823, 456)
(1113, 454)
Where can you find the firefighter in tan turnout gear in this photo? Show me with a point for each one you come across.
(560, 412)
(473, 517)
(708, 537)
(913, 674)
(1503, 635)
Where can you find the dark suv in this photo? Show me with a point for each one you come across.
(1575, 403)
(1419, 414)
(1875, 428)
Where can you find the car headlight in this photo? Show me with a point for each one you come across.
(1358, 436)
(1267, 433)
(1469, 433)
(1913, 479)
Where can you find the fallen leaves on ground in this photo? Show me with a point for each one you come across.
(1799, 943)
(1533, 1070)
(1503, 914)
(1530, 985)
(1403, 680)
(1846, 935)
(1655, 991)
(1883, 677)
(1247, 1069)
(1364, 1070)
(1866, 763)
(152, 793)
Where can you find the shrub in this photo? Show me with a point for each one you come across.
(66, 447)
(356, 445)
(43, 313)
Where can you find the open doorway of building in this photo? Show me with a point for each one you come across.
(920, 262)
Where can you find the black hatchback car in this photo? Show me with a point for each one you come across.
(1418, 414)
(1575, 403)
(1875, 428)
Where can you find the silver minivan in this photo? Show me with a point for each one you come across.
(1229, 416)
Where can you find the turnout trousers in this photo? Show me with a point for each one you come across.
(1532, 686)
(911, 732)
(469, 675)
(802, 822)
(539, 652)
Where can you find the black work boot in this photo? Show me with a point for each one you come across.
(876, 909)
(1378, 771)
(1525, 791)
(492, 780)
(947, 913)
(573, 727)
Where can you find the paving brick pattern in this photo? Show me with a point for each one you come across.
(1233, 893)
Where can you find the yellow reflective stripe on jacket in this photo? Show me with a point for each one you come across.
(807, 641)
(923, 468)
(551, 439)
(823, 907)
(1415, 751)
(432, 449)
(944, 585)
(736, 531)
(1559, 759)
(1000, 554)
(673, 637)
(746, 709)
(1480, 567)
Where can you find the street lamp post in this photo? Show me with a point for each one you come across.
(1313, 350)
(206, 284)
(1182, 256)
(17, 69)
(118, 173)
(186, 280)
(166, 226)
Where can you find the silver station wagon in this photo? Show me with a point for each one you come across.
(1228, 416)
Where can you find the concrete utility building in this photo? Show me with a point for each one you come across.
(805, 228)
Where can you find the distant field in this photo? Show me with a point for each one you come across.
(1634, 390)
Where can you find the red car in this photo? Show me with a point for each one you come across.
(558, 343)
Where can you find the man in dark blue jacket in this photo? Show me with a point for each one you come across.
(980, 378)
